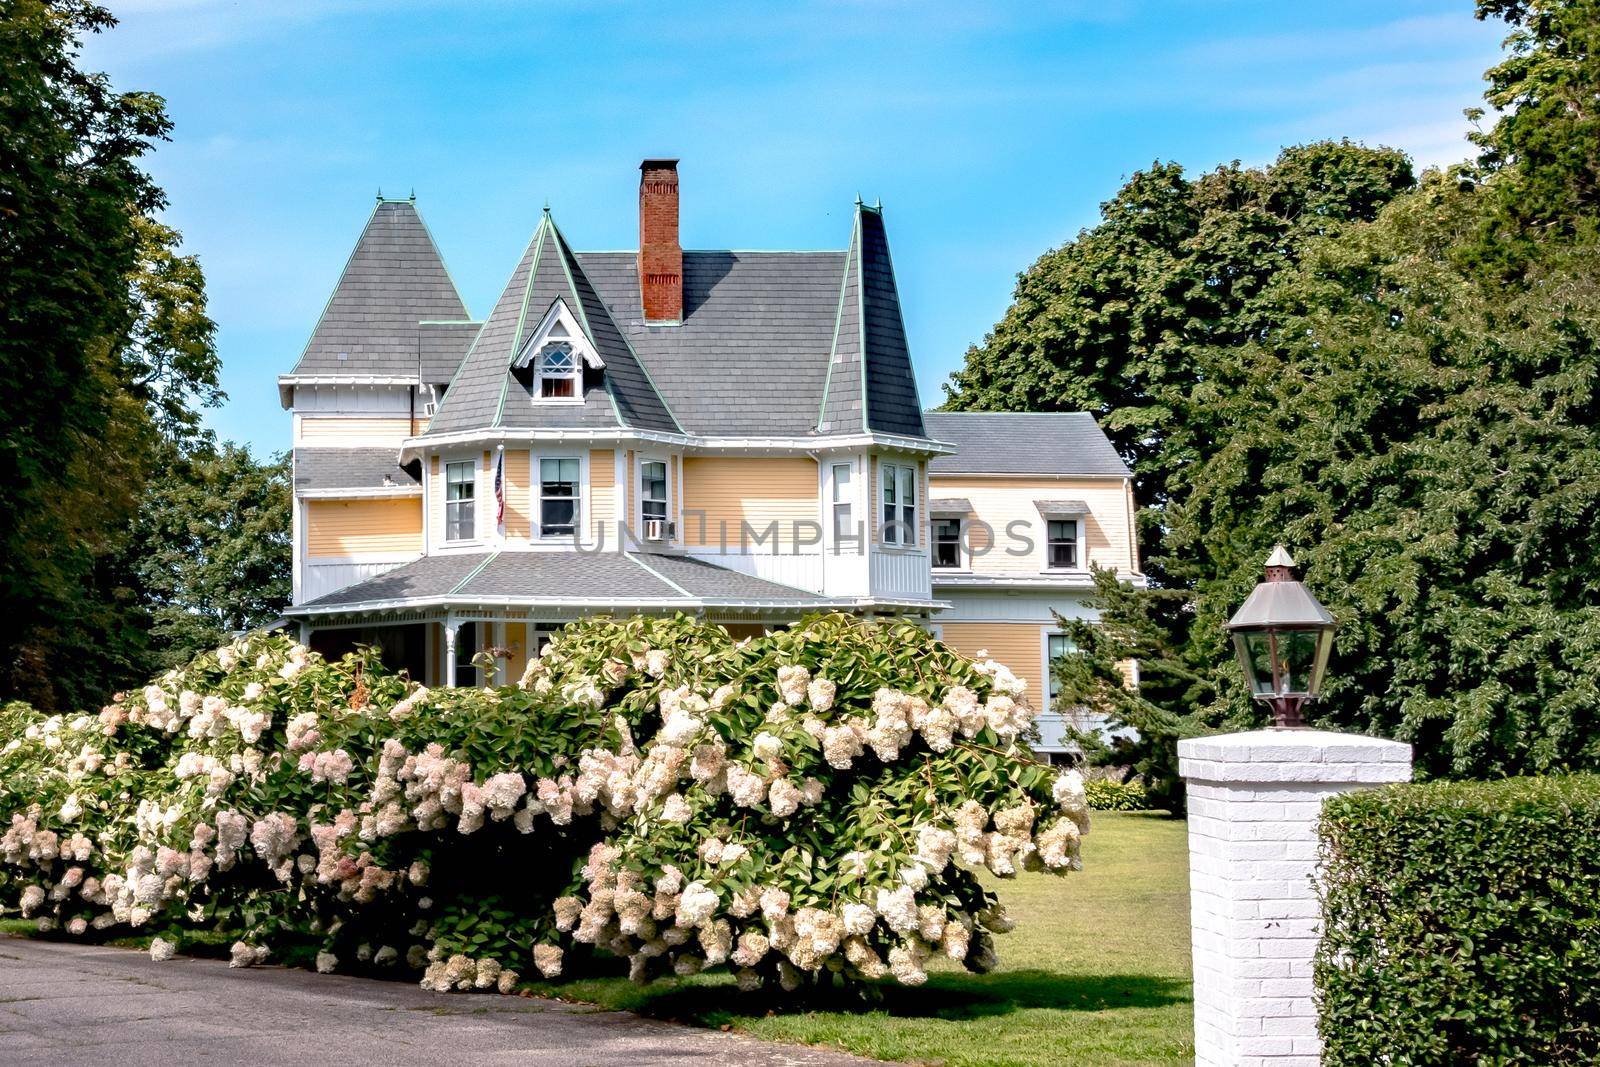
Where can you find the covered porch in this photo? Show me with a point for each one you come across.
(436, 616)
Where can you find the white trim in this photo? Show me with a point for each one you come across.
(1059, 476)
(412, 447)
(595, 604)
(665, 459)
(380, 491)
(580, 503)
(1079, 547)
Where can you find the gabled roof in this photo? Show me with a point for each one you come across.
(394, 280)
(1014, 442)
(484, 393)
(772, 344)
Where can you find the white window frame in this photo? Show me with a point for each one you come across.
(1077, 543)
(1047, 659)
(574, 374)
(842, 504)
(472, 501)
(963, 556)
(538, 462)
(890, 533)
(666, 484)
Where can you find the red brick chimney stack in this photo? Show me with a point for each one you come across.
(660, 255)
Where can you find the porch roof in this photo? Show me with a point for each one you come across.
(598, 581)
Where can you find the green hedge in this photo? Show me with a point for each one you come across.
(1106, 794)
(1462, 923)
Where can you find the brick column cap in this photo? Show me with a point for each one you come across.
(1294, 756)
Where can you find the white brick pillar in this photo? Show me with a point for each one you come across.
(1254, 799)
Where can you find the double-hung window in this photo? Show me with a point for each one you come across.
(653, 491)
(899, 504)
(558, 497)
(844, 523)
(1061, 544)
(947, 543)
(460, 486)
(558, 372)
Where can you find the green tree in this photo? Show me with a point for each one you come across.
(212, 549)
(1408, 400)
(105, 340)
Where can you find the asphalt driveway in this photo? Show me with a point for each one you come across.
(68, 1003)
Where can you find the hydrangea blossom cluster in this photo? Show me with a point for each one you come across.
(708, 786)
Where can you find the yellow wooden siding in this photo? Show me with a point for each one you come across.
(1107, 529)
(730, 492)
(1019, 645)
(516, 650)
(363, 527)
(518, 491)
(331, 430)
(602, 495)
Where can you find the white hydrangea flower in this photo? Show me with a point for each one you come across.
(161, 949)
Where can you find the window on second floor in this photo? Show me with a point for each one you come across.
(558, 372)
(947, 543)
(653, 490)
(460, 486)
(899, 504)
(844, 523)
(1061, 544)
(558, 497)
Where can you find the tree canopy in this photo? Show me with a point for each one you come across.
(1395, 377)
(107, 345)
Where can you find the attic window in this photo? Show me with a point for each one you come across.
(557, 375)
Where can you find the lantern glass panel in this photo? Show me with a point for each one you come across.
(1255, 656)
(1297, 659)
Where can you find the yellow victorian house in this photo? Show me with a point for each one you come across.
(732, 434)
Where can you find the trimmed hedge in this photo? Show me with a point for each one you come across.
(1107, 794)
(1462, 923)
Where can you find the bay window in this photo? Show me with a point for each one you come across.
(653, 491)
(844, 525)
(460, 487)
(899, 504)
(558, 497)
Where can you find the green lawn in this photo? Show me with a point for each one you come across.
(1097, 972)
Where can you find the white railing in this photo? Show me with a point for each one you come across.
(901, 574)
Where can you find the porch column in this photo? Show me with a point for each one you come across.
(450, 626)
(500, 661)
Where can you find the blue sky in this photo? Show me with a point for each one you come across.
(991, 131)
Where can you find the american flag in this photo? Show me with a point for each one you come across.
(500, 489)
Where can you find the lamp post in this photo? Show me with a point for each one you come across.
(1283, 636)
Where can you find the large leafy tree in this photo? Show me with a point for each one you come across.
(106, 345)
(1408, 400)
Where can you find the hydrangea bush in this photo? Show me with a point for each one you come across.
(814, 802)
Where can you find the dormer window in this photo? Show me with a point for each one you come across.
(558, 371)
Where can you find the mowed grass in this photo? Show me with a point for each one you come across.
(1096, 972)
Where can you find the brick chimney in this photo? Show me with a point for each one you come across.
(660, 255)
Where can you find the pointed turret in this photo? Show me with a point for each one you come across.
(871, 385)
(394, 280)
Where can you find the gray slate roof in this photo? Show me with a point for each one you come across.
(394, 279)
(772, 343)
(1065, 442)
(533, 576)
(348, 468)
